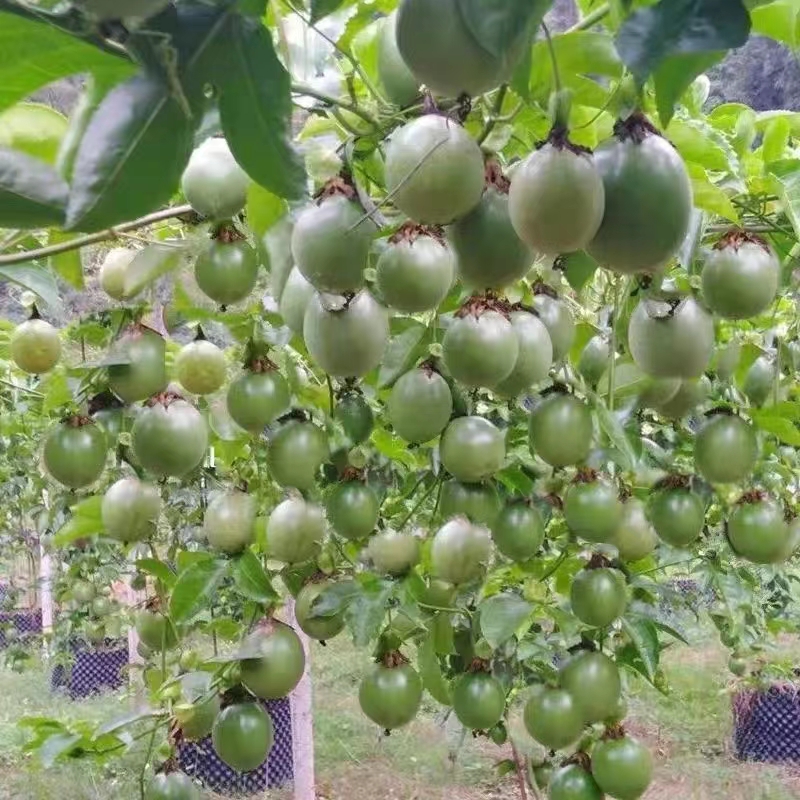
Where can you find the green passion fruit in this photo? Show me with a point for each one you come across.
(634, 536)
(390, 695)
(434, 170)
(35, 346)
(320, 628)
(648, 200)
(598, 596)
(296, 295)
(689, 395)
(671, 340)
(296, 452)
(416, 270)
(171, 786)
(130, 510)
(275, 661)
(229, 522)
(478, 502)
(594, 682)
(552, 718)
(740, 276)
(622, 767)
(75, 452)
(535, 355)
(518, 531)
(155, 630)
(759, 380)
(560, 430)
(354, 413)
(242, 736)
(757, 530)
(144, 372)
(592, 509)
(460, 551)
(420, 405)
(346, 338)
(435, 41)
(113, 271)
(725, 449)
(200, 367)
(331, 242)
(678, 515)
(214, 185)
(559, 322)
(594, 360)
(557, 199)
(472, 449)
(199, 707)
(398, 82)
(394, 552)
(573, 782)
(258, 397)
(490, 254)
(478, 701)
(227, 270)
(295, 530)
(353, 510)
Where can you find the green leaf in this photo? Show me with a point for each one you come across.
(679, 27)
(69, 265)
(786, 174)
(578, 269)
(643, 651)
(675, 75)
(85, 520)
(194, 588)
(255, 105)
(36, 279)
(131, 156)
(151, 263)
(776, 138)
(695, 144)
(401, 352)
(33, 129)
(431, 672)
(501, 616)
(33, 54)
(32, 193)
(251, 580)
(334, 600)
(365, 613)
(779, 21)
(321, 8)
(59, 744)
(771, 421)
(612, 427)
(264, 209)
(158, 569)
(708, 196)
(498, 24)
(116, 724)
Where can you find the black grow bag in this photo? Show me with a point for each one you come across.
(766, 723)
(93, 669)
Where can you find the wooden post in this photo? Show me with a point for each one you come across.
(302, 723)
(46, 590)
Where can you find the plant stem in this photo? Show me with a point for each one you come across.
(346, 105)
(612, 346)
(331, 399)
(146, 761)
(419, 502)
(496, 108)
(94, 238)
(11, 385)
(559, 561)
(600, 13)
(553, 60)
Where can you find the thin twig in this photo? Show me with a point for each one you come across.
(553, 60)
(345, 105)
(600, 13)
(493, 118)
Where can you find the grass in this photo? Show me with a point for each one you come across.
(688, 731)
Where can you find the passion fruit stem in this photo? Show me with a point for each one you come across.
(635, 128)
(752, 497)
(227, 234)
(614, 731)
(737, 237)
(673, 482)
(411, 231)
(479, 303)
(340, 186)
(393, 659)
(479, 665)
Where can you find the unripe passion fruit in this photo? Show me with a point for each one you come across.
(725, 449)
(171, 786)
(740, 276)
(75, 452)
(472, 449)
(199, 707)
(634, 537)
(279, 664)
(758, 531)
(480, 348)
(478, 701)
(297, 293)
(200, 367)
(460, 551)
(113, 271)
(759, 380)
(393, 552)
(145, 374)
(416, 270)
(557, 200)
(123, 9)
(331, 242)
(594, 360)
(690, 394)
(518, 531)
(727, 361)
(648, 201)
(213, 183)
(573, 782)
(170, 438)
(227, 271)
(398, 82)
(559, 322)
(535, 355)
(130, 510)
(321, 628)
(478, 502)
(390, 696)
(598, 596)
(353, 510)
(560, 430)
(592, 510)
(35, 346)
(347, 341)
(434, 170)
(355, 415)
(229, 522)
(296, 452)
(594, 682)
(490, 254)
(294, 530)
(438, 47)
(674, 342)
(623, 768)
(255, 399)
(155, 630)
(552, 718)
(677, 515)
(243, 736)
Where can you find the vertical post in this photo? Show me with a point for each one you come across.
(46, 592)
(302, 722)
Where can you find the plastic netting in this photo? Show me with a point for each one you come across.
(93, 669)
(767, 723)
(28, 623)
(200, 761)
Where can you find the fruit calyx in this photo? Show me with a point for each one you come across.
(339, 186)
(581, 759)
(478, 304)
(77, 421)
(598, 561)
(393, 659)
(752, 497)
(615, 731)
(495, 177)
(479, 665)
(104, 401)
(554, 501)
(673, 482)
(737, 237)
(261, 365)
(559, 139)
(227, 234)
(720, 411)
(540, 287)
(635, 128)
(351, 474)
(165, 399)
(585, 475)
(411, 231)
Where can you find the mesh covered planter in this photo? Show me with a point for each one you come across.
(28, 623)
(94, 669)
(200, 761)
(766, 723)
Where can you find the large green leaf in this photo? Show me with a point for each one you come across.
(33, 128)
(37, 279)
(33, 54)
(678, 27)
(431, 672)
(85, 520)
(251, 579)
(255, 104)
(779, 21)
(501, 616)
(787, 178)
(675, 75)
(498, 24)
(401, 352)
(642, 653)
(151, 263)
(68, 265)
(194, 588)
(132, 155)
(32, 193)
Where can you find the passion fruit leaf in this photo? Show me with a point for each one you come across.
(334, 600)
(366, 611)
(263, 209)
(321, 8)
(611, 425)
(675, 75)
(36, 279)
(86, 520)
(401, 352)
(152, 263)
(578, 268)
(431, 672)
(194, 588)
(643, 650)
(772, 421)
(502, 616)
(67, 266)
(251, 579)
(32, 193)
(672, 27)
(786, 173)
(158, 569)
(498, 24)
